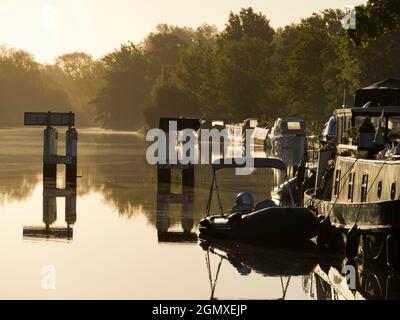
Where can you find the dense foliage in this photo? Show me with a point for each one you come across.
(247, 70)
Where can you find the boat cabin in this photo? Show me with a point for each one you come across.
(367, 166)
(289, 126)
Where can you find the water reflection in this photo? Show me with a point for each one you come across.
(49, 231)
(372, 283)
(133, 226)
(247, 259)
(167, 203)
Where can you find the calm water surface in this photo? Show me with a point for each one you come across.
(125, 242)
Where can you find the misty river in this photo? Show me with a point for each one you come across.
(117, 239)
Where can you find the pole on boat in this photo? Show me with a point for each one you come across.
(210, 196)
(290, 190)
(218, 195)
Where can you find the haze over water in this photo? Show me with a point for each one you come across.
(125, 244)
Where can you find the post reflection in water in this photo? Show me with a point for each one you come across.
(165, 200)
(50, 195)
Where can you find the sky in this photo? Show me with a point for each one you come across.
(48, 28)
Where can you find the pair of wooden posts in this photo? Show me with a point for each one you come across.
(50, 161)
(50, 146)
(164, 171)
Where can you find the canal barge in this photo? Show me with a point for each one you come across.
(357, 187)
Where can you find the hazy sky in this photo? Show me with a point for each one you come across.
(48, 28)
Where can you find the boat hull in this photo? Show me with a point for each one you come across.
(278, 226)
(378, 228)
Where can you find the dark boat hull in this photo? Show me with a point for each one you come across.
(369, 215)
(378, 228)
(274, 226)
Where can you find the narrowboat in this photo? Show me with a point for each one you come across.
(357, 186)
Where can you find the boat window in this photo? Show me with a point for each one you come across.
(364, 187)
(337, 182)
(217, 123)
(393, 191)
(351, 186)
(379, 191)
(293, 125)
(394, 127)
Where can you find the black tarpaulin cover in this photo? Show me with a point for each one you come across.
(384, 93)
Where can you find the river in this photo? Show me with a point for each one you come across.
(118, 240)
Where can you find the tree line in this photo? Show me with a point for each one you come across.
(248, 69)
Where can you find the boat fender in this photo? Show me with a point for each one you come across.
(352, 242)
(324, 231)
(392, 252)
(205, 223)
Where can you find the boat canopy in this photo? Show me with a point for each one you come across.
(240, 162)
(383, 93)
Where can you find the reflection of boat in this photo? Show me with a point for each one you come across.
(268, 262)
(370, 283)
(356, 186)
(263, 223)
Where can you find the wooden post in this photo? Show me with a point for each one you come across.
(188, 177)
(72, 154)
(49, 150)
(187, 212)
(49, 208)
(70, 208)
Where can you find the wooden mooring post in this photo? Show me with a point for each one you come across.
(50, 145)
(164, 171)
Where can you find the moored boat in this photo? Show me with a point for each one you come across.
(357, 184)
(265, 222)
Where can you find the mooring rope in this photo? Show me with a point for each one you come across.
(213, 284)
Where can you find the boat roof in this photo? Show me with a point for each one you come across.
(372, 111)
(385, 92)
(287, 119)
(224, 163)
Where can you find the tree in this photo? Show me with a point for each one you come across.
(307, 67)
(119, 104)
(168, 100)
(23, 88)
(80, 77)
(246, 24)
(374, 19)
